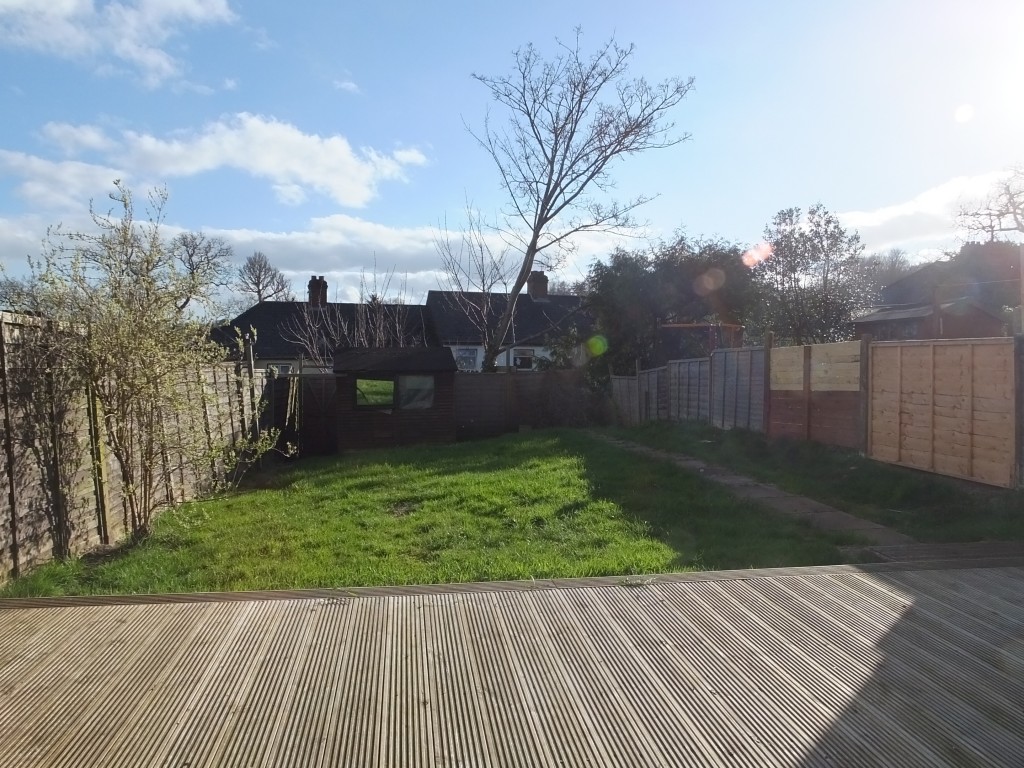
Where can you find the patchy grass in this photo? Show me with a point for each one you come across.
(926, 506)
(537, 505)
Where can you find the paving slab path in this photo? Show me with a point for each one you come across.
(881, 544)
(820, 515)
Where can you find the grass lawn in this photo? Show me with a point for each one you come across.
(536, 505)
(926, 506)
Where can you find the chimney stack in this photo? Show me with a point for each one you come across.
(317, 289)
(537, 285)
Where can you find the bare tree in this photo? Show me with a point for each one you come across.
(477, 270)
(570, 117)
(117, 295)
(882, 269)
(204, 260)
(1001, 212)
(261, 280)
(376, 320)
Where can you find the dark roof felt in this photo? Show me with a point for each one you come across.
(268, 318)
(394, 360)
(534, 320)
(890, 314)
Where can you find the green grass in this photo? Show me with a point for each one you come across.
(536, 505)
(375, 392)
(927, 506)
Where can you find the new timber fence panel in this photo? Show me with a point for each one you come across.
(946, 406)
(738, 388)
(816, 394)
(689, 389)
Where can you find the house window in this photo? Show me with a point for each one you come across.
(283, 369)
(522, 359)
(465, 358)
(415, 392)
(375, 393)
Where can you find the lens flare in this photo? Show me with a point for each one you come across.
(709, 282)
(597, 346)
(757, 254)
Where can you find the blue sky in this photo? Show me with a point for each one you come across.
(331, 135)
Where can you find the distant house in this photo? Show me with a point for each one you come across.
(290, 333)
(395, 396)
(958, 319)
(964, 297)
(538, 318)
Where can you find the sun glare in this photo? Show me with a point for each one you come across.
(758, 253)
(964, 113)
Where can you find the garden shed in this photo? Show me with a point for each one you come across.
(394, 396)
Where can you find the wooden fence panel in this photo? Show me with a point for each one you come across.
(625, 395)
(738, 388)
(652, 392)
(946, 406)
(689, 389)
(816, 394)
(484, 404)
(97, 501)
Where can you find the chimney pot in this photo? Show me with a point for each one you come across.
(537, 285)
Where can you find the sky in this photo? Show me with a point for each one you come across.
(333, 136)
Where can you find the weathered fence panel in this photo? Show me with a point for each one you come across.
(689, 389)
(946, 406)
(97, 510)
(816, 394)
(626, 398)
(739, 388)
(484, 404)
(652, 391)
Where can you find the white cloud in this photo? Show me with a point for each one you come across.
(347, 85)
(58, 186)
(268, 148)
(110, 35)
(296, 164)
(939, 201)
(229, 84)
(927, 218)
(72, 139)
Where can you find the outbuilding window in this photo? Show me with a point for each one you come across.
(415, 392)
(375, 393)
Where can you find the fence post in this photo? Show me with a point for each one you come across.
(12, 491)
(57, 497)
(766, 411)
(1018, 386)
(807, 391)
(865, 393)
(99, 466)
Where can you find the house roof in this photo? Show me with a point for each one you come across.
(394, 360)
(271, 319)
(534, 319)
(916, 311)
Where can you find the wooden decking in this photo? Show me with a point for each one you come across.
(917, 665)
